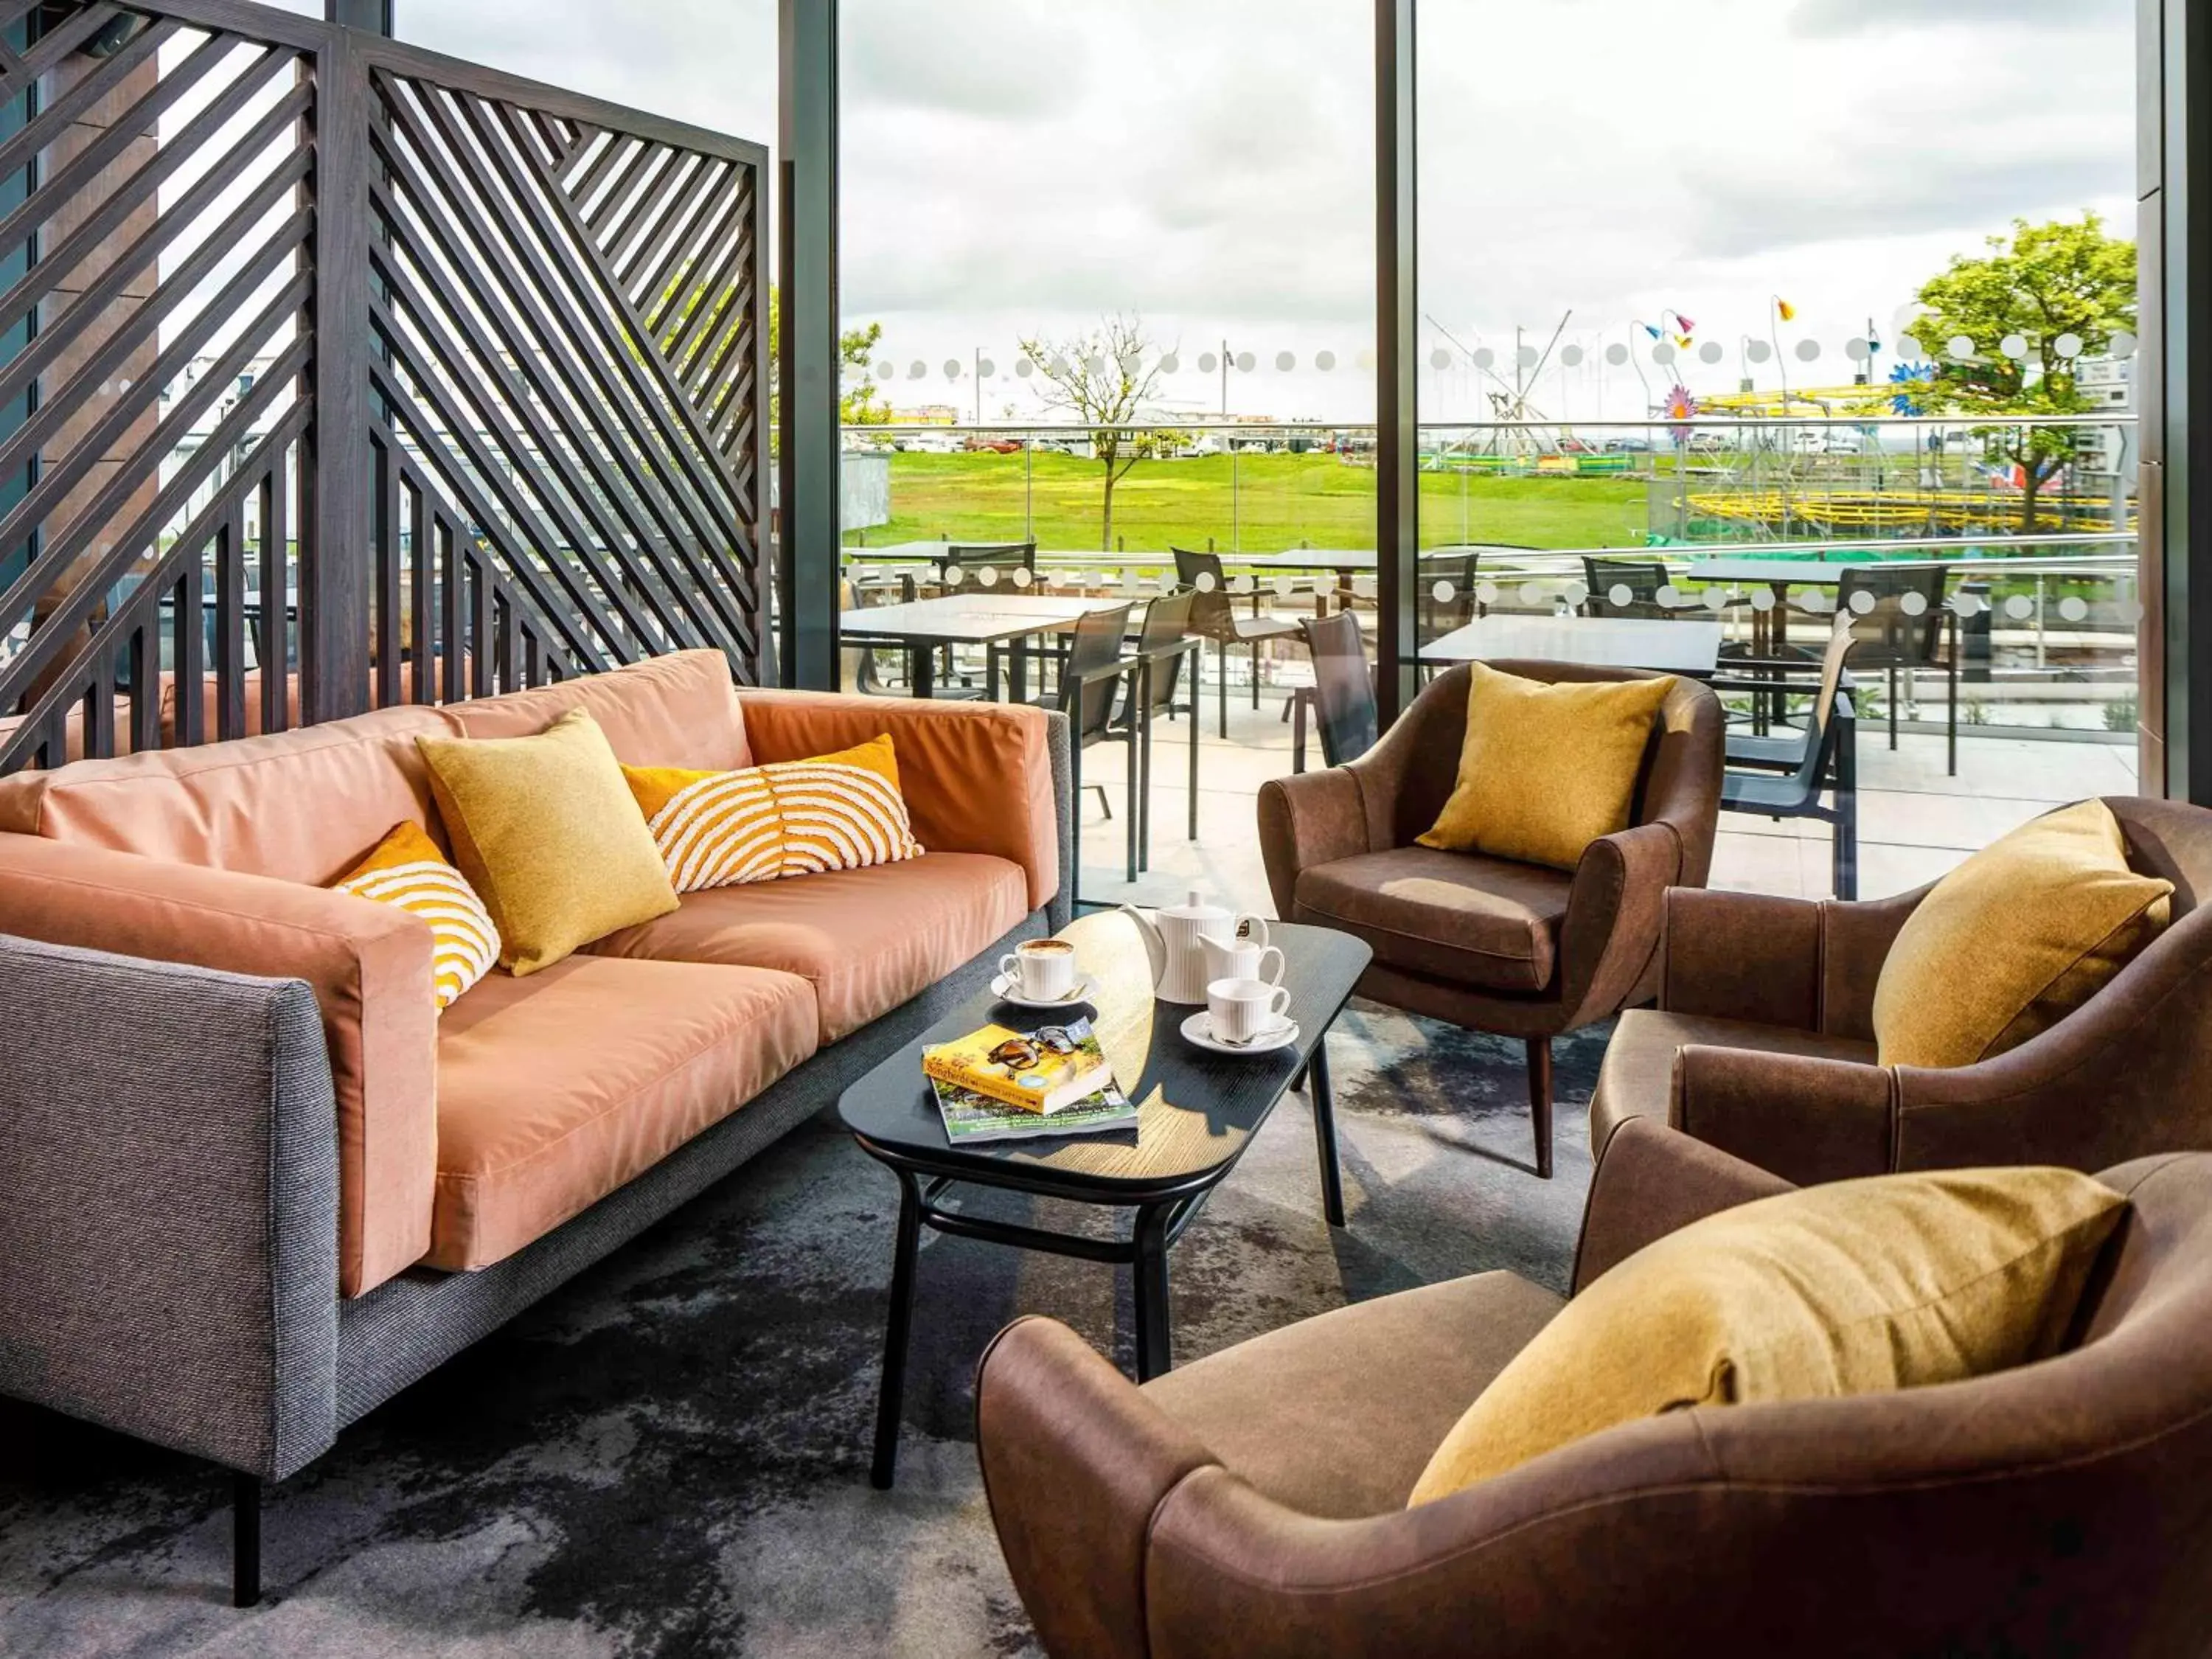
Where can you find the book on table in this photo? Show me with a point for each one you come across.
(1046, 1071)
(970, 1117)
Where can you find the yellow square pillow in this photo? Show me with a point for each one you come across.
(2014, 939)
(1857, 1287)
(840, 811)
(407, 870)
(546, 830)
(1547, 769)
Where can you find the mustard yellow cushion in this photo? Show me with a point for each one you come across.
(1894, 1282)
(1547, 769)
(2014, 939)
(406, 870)
(840, 811)
(547, 830)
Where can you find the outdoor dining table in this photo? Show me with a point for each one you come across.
(994, 621)
(1671, 648)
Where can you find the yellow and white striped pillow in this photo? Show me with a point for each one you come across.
(840, 811)
(407, 870)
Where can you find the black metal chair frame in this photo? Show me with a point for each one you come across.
(1075, 679)
(1331, 723)
(1787, 777)
(1149, 697)
(1224, 627)
(1937, 629)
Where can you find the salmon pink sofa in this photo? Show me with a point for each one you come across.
(356, 1186)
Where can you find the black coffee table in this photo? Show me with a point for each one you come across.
(1199, 1112)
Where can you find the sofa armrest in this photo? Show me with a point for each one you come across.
(1742, 955)
(1806, 1118)
(168, 1204)
(1076, 1464)
(1651, 1180)
(368, 965)
(977, 777)
(1308, 820)
(1616, 910)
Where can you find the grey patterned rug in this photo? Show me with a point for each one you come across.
(669, 1457)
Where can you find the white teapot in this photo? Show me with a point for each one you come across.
(1180, 962)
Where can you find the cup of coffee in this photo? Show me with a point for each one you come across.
(1245, 1010)
(1041, 969)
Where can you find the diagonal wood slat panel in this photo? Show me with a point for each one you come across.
(338, 374)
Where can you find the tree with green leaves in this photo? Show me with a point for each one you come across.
(2066, 281)
(1102, 380)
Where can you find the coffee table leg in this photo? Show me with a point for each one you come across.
(891, 1396)
(1154, 1356)
(1324, 1116)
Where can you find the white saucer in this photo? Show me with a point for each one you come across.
(1004, 988)
(1198, 1028)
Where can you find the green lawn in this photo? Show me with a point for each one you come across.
(1276, 502)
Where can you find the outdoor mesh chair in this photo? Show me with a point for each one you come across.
(1090, 694)
(1627, 588)
(1213, 617)
(1786, 775)
(1161, 691)
(1899, 620)
(1342, 698)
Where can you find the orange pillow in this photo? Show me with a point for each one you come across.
(407, 871)
(840, 811)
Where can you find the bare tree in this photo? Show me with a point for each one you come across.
(1103, 379)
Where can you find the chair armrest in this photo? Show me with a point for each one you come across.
(1806, 1118)
(368, 965)
(168, 1204)
(1308, 820)
(1616, 910)
(1651, 1180)
(1076, 1464)
(1742, 955)
(977, 777)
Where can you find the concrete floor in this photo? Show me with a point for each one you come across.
(1915, 823)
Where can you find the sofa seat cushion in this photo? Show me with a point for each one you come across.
(866, 939)
(1637, 1077)
(556, 1090)
(1459, 917)
(1297, 1412)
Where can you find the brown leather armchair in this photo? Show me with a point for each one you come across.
(1763, 1040)
(1486, 943)
(1252, 1503)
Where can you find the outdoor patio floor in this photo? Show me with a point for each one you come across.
(1915, 821)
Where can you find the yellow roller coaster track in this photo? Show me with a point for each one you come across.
(1807, 400)
(1890, 509)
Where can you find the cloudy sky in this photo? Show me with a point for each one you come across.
(1017, 166)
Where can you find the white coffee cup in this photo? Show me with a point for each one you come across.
(1245, 1010)
(1041, 969)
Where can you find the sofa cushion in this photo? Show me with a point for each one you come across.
(556, 1090)
(676, 710)
(1636, 1079)
(868, 939)
(232, 805)
(1459, 916)
(406, 871)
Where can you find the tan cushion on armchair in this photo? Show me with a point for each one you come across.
(1891, 1282)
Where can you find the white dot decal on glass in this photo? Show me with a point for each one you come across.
(954, 575)
(1960, 346)
(1024, 369)
(885, 369)
(1759, 351)
(1663, 354)
(1967, 605)
(985, 368)
(2014, 346)
(2067, 346)
(1094, 364)
(1171, 363)
(917, 370)
(2073, 608)
(1577, 595)
(1245, 360)
(1913, 604)
(1022, 577)
(1324, 360)
(1485, 358)
(1059, 366)
(1131, 364)
(1526, 357)
(1285, 361)
(1908, 348)
(2019, 607)
(988, 576)
(1858, 349)
(1207, 362)
(1240, 584)
(1616, 354)
(1571, 357)
(1363, 587)
(1440, 358)
(1285, 586)
(1620, 594)
(2123, 345)
(1444, 592)
(1808, 352)
(1762, 599)
(1206, 583)
(2131, 613)
(1669, 594)
(1817, 602)
(1719, 599)
(1531, 594)
(1863, 602)
(1710, 352)
(951, 368)
(1486, 593)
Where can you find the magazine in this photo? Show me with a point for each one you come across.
(970, 1118)
(1047, 1070)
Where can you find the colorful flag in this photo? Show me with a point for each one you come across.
(1788, 311)
(1688, 327)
